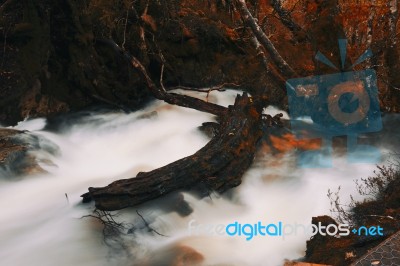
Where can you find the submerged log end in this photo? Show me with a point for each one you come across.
(86, 198)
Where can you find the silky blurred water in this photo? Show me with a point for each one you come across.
(41, 224)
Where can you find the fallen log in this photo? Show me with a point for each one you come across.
(218, 166)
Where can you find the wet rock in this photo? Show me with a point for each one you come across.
(17, 153)
(329, 249)
(295, 263)
(148, 115)
(186, 256)
(179, 255)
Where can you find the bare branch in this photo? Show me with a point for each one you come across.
(126, 23)
(148, 226)
(260, 52)
(381, 216)
(264, 40)
(162, 70)
(287, 20)
(370, 23)
(5, 5)
(393, 18)
(171, 98)
(111, 228)
(206, 90)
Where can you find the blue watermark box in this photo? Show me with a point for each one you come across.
(344, 103)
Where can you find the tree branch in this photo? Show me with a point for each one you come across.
(260, 52)
(206, 90)
(5, 5)
(171, 98)
(288, 21)
(283, 66)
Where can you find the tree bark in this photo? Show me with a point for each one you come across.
(392, 52)
(282, 65)
(288, 21)
(161, 94)
(218, 166)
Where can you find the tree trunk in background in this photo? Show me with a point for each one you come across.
(282, 65)
(51, 59)
(392, 55)
(51, 65)
(287, 20)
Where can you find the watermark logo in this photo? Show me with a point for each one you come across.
(345, 103)
(279, 230)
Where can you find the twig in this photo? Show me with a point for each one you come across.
(161, 78)
(272, 121)
(171, 98)
(126, 23)
(287, 20)
(208, 90)
(162, 68)
(111, 228)
(380, 216)
(260, 52)
(148, 226)
(5, 5)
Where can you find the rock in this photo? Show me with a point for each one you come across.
(17, 152)
(186, 256)
(179, 255)
(295, 263)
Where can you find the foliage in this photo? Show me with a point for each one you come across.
(382, 198)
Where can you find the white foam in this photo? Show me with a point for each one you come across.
(39, 226)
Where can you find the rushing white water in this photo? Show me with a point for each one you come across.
(40, 221)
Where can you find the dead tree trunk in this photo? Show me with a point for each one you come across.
(392, 53)
(219, 165)
(287, 20)
(161, 93)
(248, 18)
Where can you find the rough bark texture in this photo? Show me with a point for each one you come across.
(218, 166)
(51, 59)
(287, 20)
(392, 54)
(282, 65)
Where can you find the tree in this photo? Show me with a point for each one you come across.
(63, 55)
(219, 165)
(392, 53)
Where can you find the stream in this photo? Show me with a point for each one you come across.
(42, 223)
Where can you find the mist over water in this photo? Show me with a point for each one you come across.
(41, 224)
